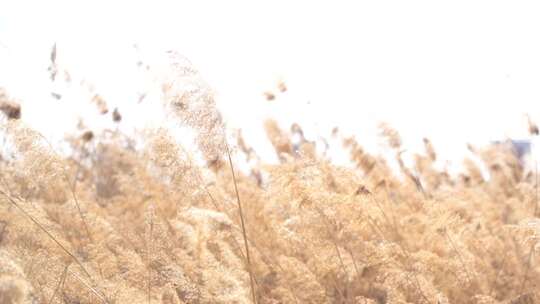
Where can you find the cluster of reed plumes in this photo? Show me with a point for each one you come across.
(121, 222)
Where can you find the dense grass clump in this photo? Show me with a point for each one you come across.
(119, 220)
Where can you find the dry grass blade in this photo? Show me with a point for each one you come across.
(73, 195)
(92, 289)
(242, 221)
(265, 257)
(536, 190)
(149, 251)
(460, 257)
(60, 283)
(532, 248)
(55, 240)
(501, 268)
(40, 226)
(331, 230)
(527, 269)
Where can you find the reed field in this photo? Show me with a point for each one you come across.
(145, 219)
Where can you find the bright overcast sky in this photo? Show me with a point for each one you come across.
(455, 71)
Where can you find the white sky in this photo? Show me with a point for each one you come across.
(455, 71)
